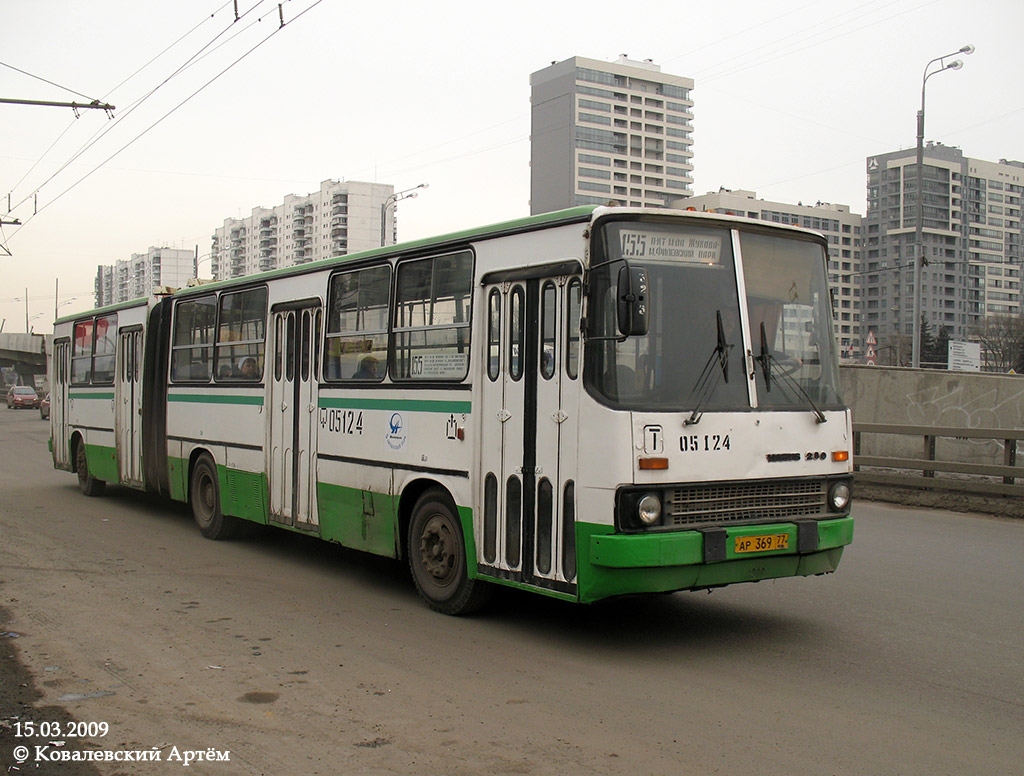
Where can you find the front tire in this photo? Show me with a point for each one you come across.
(437, 558)
(89, 485)
(204, 497)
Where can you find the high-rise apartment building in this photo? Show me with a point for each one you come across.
(609, 132)
(972, 242)
(343, 217)
(841, 228)
(136, 277)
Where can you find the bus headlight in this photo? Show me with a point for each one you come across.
(839, 496)
(648, 509)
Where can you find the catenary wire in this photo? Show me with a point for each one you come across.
(45, 81)
(165, 116)
(103, 131)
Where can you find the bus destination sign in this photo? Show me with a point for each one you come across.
(703, 248)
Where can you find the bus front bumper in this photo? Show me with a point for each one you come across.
(710, 557)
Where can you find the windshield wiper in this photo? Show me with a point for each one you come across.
(770, 365)
(705, 385)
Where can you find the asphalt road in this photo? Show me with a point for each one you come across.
(297, 657)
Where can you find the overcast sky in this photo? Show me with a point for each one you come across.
(791, 96)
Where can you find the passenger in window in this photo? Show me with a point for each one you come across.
(367, 369)
(547, 362)
(224, 373)
(250, 370)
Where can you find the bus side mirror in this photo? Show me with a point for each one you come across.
(633, 305)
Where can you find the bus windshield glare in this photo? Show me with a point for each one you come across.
(695, 353)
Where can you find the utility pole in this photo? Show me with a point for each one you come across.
(13, 222)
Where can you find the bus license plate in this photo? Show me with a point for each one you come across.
(761, 543)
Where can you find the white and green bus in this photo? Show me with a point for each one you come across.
(588, 403)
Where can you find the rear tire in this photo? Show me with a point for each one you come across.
(89, 485)
(437, 558)
(204, 497)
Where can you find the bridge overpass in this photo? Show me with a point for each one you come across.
(26, 354)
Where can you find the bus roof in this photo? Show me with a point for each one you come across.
(110, 308)
(530, 223)
(502, 228)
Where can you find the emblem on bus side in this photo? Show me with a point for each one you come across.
(396, 436)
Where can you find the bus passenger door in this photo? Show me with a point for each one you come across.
(128, 399)
(501, 548)
(528, 436)
(293, 380)
(59, 381)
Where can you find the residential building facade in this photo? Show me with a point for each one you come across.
(134, 278)
(841, 228)
(972, 243)
(342, 217)
(603, 132)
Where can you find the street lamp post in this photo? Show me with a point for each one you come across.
(203, 259)
(390, 202)
(25, 300)
(915, 345)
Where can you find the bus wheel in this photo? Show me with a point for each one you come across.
(437, 558)
(204, 496)
(88, 484)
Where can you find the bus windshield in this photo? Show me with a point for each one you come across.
(790, 321)
(694, 353)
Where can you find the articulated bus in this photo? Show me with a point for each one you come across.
(588, 403)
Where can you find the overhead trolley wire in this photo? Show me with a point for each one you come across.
(51, 83)
(103, 131)
(174, 109)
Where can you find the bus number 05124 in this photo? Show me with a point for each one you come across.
(342, 421)
(709, 443)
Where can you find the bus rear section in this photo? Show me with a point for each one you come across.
(96, 374)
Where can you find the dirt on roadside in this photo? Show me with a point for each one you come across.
(19, 713)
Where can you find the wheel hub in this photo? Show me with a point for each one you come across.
(437, 549)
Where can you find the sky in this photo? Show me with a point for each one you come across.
(215, 116)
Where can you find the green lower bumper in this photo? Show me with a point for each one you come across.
(618, 564)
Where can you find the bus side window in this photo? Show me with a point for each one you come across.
(493, 335)
(574, 294)
(516, 334)
(317, 325)
(433, 317)
(104, 349)
(304, 342)
(81, 355)
(192, 343)
(278, 347)
(241, 335)
(356, 340)
(289, 347)
(548, 330)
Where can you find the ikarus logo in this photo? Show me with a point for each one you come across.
(396, 435)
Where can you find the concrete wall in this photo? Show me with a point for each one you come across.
(928, 397)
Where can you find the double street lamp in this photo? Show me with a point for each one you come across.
(915, 351)
(390, 202)
(59, 305)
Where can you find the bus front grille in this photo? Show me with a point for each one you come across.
(731, 502)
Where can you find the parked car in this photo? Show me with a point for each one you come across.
(44, 407)
(22, 396)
